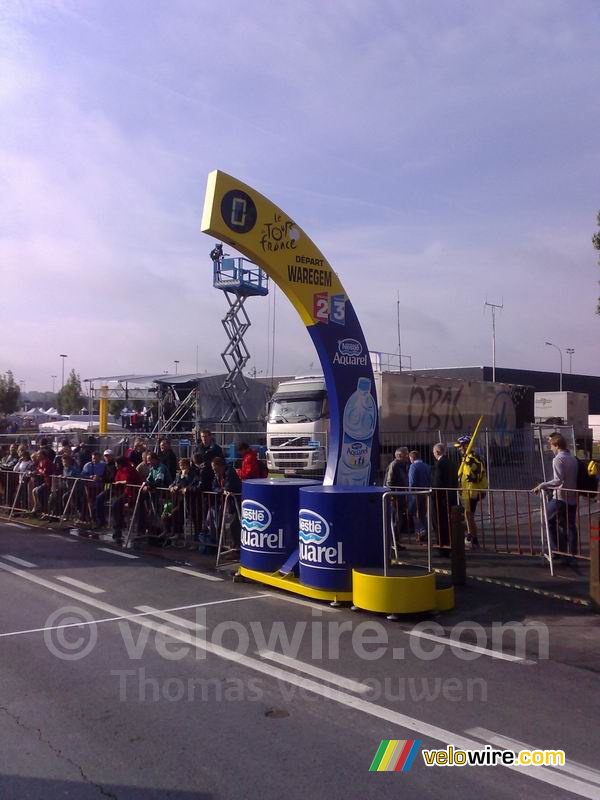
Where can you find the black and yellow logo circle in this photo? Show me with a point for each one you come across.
(238, 211)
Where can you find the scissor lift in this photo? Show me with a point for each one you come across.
(239, 279)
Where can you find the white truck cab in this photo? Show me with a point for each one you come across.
(298, 426)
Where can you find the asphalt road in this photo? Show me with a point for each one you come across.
(122, 677)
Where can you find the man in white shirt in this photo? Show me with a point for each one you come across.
(562, 508)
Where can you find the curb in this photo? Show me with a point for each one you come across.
(578, 601)
(158, 553)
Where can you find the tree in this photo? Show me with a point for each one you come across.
(70, 398)
(9, 393)
(115, 406)
(596, 243)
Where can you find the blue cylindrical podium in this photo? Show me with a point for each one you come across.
(340, 528)
(270, 521)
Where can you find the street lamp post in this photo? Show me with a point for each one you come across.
(549, 344)
(570, 351)
(53, 384)
(176, 362)
(63, 356)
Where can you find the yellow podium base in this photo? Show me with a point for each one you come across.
(289, 583)
(404, 590)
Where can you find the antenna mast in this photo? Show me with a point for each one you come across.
(398, 322)
(494, 306)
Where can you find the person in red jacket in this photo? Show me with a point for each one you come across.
(250, 467)
(129, 479)
(45, 470)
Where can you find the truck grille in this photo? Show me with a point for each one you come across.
(287, 458)
(290, 441)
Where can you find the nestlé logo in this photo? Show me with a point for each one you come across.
(255, 516)
(312, 527)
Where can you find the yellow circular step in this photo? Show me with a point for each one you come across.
(404, 590)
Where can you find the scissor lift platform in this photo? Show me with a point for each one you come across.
(241, 276)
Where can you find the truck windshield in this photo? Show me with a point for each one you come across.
(296, 409)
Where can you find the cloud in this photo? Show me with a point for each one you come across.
(442, 150)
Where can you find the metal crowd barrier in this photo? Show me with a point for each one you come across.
(194, 519)
(400, 505)
(509, 521)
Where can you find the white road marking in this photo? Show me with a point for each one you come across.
(184, 623)
(306, 603)
(424, 729)
(471, 647)
(570, 766)
(79, 584)
(15, 525)
(195, 574)
(116, 552)
(20, 561)
(316, 672)
(129, 616)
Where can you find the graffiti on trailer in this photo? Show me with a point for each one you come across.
(433, 408)
(503, 418)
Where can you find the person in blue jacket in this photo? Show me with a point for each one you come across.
(419, 477)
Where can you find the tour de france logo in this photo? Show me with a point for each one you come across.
(238, 211)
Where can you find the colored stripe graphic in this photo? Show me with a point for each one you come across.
(383, 765)
(378, 755)
(403, 755)
(411, 755)
(395, 755)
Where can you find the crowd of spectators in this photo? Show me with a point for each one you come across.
(94, 486)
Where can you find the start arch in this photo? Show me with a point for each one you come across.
(245, 219)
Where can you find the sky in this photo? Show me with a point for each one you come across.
(444, 152)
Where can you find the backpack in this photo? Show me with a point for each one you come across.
(587, 481)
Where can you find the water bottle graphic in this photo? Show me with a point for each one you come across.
(360, 419)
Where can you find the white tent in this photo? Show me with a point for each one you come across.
(76, 426)
(34, 413)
